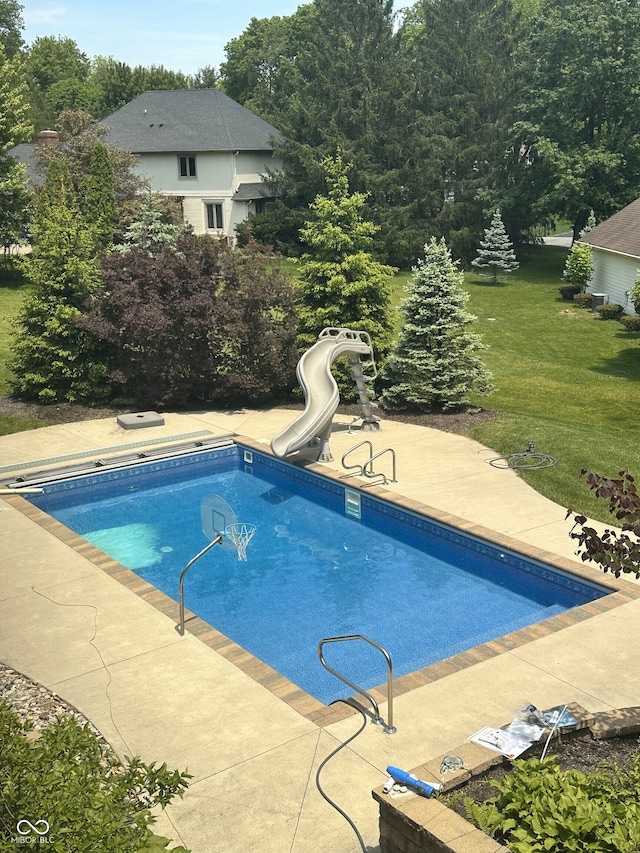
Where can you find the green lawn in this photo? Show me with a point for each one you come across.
(565, 380)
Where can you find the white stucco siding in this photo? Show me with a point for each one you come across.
(218, 176)
(614, 275)
(214, 172)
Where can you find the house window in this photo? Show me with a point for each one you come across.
(261, 205)
(214, 216)
(187, 166)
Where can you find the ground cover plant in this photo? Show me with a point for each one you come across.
(567, 802)
(71, 780)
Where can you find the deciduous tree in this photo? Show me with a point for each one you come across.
(576, 134)
(14, 128)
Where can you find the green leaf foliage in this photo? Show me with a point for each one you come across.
(575, 138)
(89, 799)
(195, 321)
(541, 808)
(434, 363)
(579, 265)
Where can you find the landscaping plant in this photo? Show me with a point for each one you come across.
(90, 801)
(541, 808)
(341, 282)
(578, 266)
(53, 358)
(191, 320)
(614, 551)
(495, 256)
(434, 363)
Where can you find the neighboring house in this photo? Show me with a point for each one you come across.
(616, 255)
(195, 144)
(202, 147)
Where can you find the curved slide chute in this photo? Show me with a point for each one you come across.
(321, 391)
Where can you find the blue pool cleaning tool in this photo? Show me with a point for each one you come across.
(418, 785)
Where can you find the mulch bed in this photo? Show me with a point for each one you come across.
(576, 753)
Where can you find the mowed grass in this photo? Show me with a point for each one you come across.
(565, 380)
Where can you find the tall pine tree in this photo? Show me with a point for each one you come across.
(342, 283)
(434, 364)
(53, 358)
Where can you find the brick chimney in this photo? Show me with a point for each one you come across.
(48, 138)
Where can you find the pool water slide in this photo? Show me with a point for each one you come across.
(321, 390)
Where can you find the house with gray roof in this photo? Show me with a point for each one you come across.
(202, 147)
(616, 255)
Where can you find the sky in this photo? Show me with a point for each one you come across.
(183, 36)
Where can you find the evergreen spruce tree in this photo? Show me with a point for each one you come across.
(434, 364)
(98, 197)
(342, 283)
(53, 358)
(495, 255)
(150, 232)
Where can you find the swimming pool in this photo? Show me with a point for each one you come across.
(421, 589)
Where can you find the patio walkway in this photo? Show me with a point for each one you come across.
(71, 626)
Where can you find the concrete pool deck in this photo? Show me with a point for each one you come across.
(78, 630)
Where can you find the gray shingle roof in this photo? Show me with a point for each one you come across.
(252, 191)
(188, 120)
(26, 153)
(619, 233)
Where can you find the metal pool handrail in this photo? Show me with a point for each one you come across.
(389, 728)
(372, 473)
(357, 467)
(216, 541)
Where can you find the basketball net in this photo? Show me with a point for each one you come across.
(240, 535)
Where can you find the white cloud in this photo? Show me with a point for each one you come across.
(43, 15)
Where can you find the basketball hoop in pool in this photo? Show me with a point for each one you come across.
(240, 534)
(219, 522)
(220, 525)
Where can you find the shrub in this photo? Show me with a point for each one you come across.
(609, 311)
(70, 780)
(568, 291)
(631, 322)
(582, 300)
(579, 265)
(634, 293)
(195, 321)
(541, 807)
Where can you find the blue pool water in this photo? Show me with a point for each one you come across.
(422, 590)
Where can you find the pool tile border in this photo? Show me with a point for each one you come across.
(621, 592)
